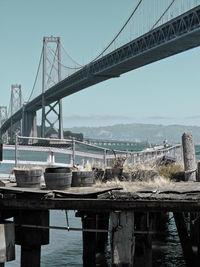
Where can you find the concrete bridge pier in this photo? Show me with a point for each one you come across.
(29, 124)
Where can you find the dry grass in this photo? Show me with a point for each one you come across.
(23, 168)
(134, 186)
(164, 175)
(171, 172)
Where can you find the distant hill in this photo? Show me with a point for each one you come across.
(139, 132)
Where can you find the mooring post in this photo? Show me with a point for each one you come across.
(89, 240)
(122, 238)
(189, 157)
(30, 238)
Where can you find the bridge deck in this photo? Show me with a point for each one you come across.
(179, 196)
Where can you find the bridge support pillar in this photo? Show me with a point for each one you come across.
(47, 81)
(29, 124)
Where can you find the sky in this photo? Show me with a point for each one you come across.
(165, 92)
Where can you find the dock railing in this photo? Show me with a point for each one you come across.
(74, 151)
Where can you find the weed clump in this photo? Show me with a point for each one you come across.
(173, 172)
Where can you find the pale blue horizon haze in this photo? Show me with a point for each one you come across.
(165, 92)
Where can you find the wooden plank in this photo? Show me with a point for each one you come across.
(100, 205)
(84, 191)
(77, 192)
(20, 190)
(134, 188)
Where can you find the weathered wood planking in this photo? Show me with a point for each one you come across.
(180, 196)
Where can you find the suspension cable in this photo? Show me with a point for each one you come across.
(36, 75)
(53, 53)
(132, 14)
(163, 14)
(70, 56)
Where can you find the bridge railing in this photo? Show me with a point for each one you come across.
(69, 152)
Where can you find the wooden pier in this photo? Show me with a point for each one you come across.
(130, 211)
(131, 215)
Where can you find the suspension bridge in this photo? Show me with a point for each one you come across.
(152, 32)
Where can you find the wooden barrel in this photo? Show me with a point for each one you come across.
(58, 180)
(28, 178)
(57, 170)
(83, 178)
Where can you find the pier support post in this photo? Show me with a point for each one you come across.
(122, 238)
(189, 157)
(143, 242)
(102, 222)
(31, 238)
(185, 240)
(195, 232)
(89, 240)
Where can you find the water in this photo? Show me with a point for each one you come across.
(65, 248)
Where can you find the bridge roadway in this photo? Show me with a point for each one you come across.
(173, 37)
(109, 142)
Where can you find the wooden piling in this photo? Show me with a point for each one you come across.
(102, 222)
(122, 238)
(30, 256)
(89, 240)
(31, 239)
(185, 240)
(189, 157)
(143, 242)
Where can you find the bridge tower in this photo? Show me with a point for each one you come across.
(3, 117)
(15, 105)
(51, 46)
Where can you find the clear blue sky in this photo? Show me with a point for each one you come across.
(165, 92)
